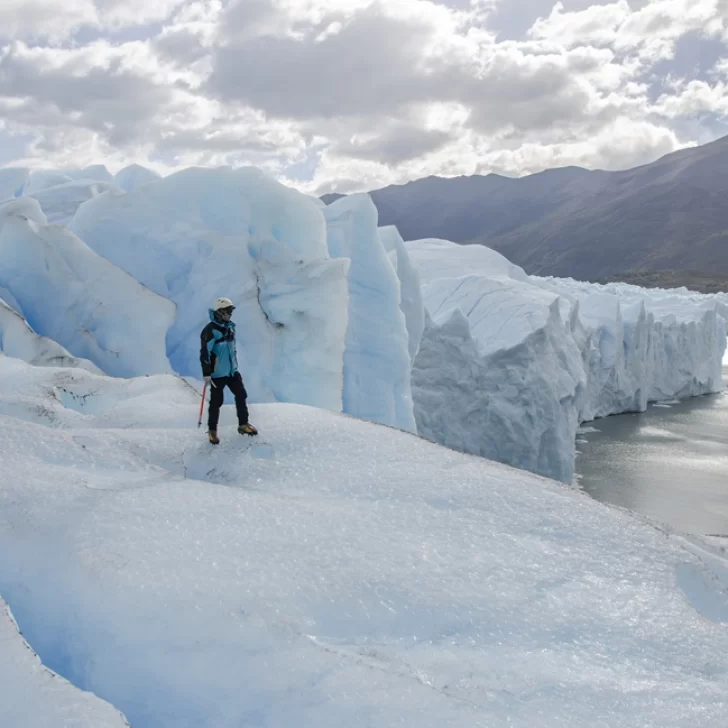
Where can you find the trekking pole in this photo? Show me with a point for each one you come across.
(202, 405)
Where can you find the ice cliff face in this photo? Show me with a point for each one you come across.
(19, 341)
(377, 360)
(643, 345)
(509, 365)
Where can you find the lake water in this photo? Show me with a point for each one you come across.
(670, 462)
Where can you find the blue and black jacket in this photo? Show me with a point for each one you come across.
(217, 348)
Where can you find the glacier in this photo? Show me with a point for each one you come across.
(332, 572)
(453, 342)
(510, 364)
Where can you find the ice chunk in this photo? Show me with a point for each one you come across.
(376, 362)
(60, 202)
(411, 302)
(31, 696)
(134, 176)
(23, 207)
(13, 181)
(39, 179)
(82, 301)
(202, 233)
(18, 340)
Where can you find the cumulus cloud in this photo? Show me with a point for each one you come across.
(401, 143)
(341, 94)
(44, 19)
(56, 21)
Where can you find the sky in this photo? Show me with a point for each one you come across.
(348, 95)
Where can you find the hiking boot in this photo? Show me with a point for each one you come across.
(214, 439)
(247, 429)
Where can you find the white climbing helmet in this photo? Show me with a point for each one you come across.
(221, 303)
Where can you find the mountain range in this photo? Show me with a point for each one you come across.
(664, 219)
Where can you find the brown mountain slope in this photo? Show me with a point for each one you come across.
(671, 214)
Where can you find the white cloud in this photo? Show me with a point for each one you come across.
(44, 19)
(342, 93)
(125, 13)
(596, 25)
(649, 31)
(695, 97)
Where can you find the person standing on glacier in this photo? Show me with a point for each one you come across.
(219, 361)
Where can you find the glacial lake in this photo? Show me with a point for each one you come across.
(669, 463)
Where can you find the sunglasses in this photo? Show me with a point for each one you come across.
(229, 310)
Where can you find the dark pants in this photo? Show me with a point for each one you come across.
(217, 394)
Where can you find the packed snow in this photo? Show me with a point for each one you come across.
(31, 696)
(331, 572)
(510, 365)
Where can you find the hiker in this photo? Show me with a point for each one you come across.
(220, 368)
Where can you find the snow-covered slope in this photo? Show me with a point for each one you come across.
(70, 294)
(509, 365)
(333, 572)
(377, 362)
(31, 696)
